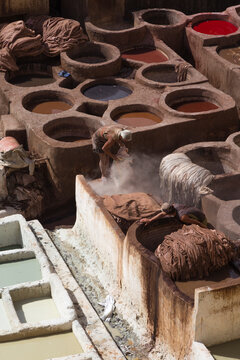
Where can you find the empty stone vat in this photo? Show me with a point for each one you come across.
(44, 347)
(69, 129)
(136, 115)
(20, 271)
(31, 75)
(106, 90)
(92, 60)
(11, 236)
(226, 188)
(47, 102)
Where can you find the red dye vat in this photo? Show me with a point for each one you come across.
(215, 27)
(195, 106)
(146, 55)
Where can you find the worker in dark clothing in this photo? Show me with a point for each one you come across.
(187, 215)
(104, 139)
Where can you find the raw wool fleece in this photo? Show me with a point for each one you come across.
(182, 181)
(194, 252)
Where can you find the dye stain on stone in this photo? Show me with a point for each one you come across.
(231, 54)
(147, 55)
(195, 106)
(51, 107)
(105, 92)
(138, 118)
(31, 80)
(215, 27)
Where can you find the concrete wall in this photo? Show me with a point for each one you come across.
(21, 7)
(217, 314)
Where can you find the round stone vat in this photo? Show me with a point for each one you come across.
(236, 140)
(215, 27)
(193, 100)
(106, 90)
(231, 53)
(30, 75)
(236, 214)
(159, 75)
(136, 115)
(92, 60)
(146, 54)
(69, 129)
(162, 17)
(47, 102)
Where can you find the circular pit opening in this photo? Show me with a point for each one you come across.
(47, 102)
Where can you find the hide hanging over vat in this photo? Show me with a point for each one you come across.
(182, 181)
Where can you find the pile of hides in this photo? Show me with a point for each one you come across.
(48, 35)
(182, 181)
(194, 252)
(127, 208)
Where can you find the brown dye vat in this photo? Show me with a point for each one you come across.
(51, 107)
(91, 59)
(195, 106)
(231, 54)
(223, 276)
(72, 138)
(136, 119)
(31, 80)
(146, 55)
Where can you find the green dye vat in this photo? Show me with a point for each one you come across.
(41, 348)
(17, 272)
(4, 323)
(226, 351)
(36, 309)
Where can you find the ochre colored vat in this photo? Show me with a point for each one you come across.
(231, 54)
(51, 107)
(41, 348)
(146, 55)
(105, 92)
(215, 27)
(226, 351)
(4, 323)
(16, 272)
(224, 275)
(136, 119)
(36, 309)
(195, 106)
(31, 80)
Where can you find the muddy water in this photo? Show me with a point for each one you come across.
(146, 55)
(16, 272)
(215, 27)
(135, 119)
(31, 80)
(36, 309)
(105, 92)
(226, 351)
(226, 274)
(51, 107)
(44, 347)
(195, 106)
(91, 59)
(4, 323)
(231, 54)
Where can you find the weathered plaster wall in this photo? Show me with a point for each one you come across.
(21, 7)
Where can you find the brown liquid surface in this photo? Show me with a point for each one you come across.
(91, 59)
(195, 106)
(71, 138)
(136, 119)
(224, 275)
(146, 55)
(32, 80)
(231, 54)
(51, 107)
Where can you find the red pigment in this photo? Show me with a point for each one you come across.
(215, 27)
(145, 55)
(195, 106)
